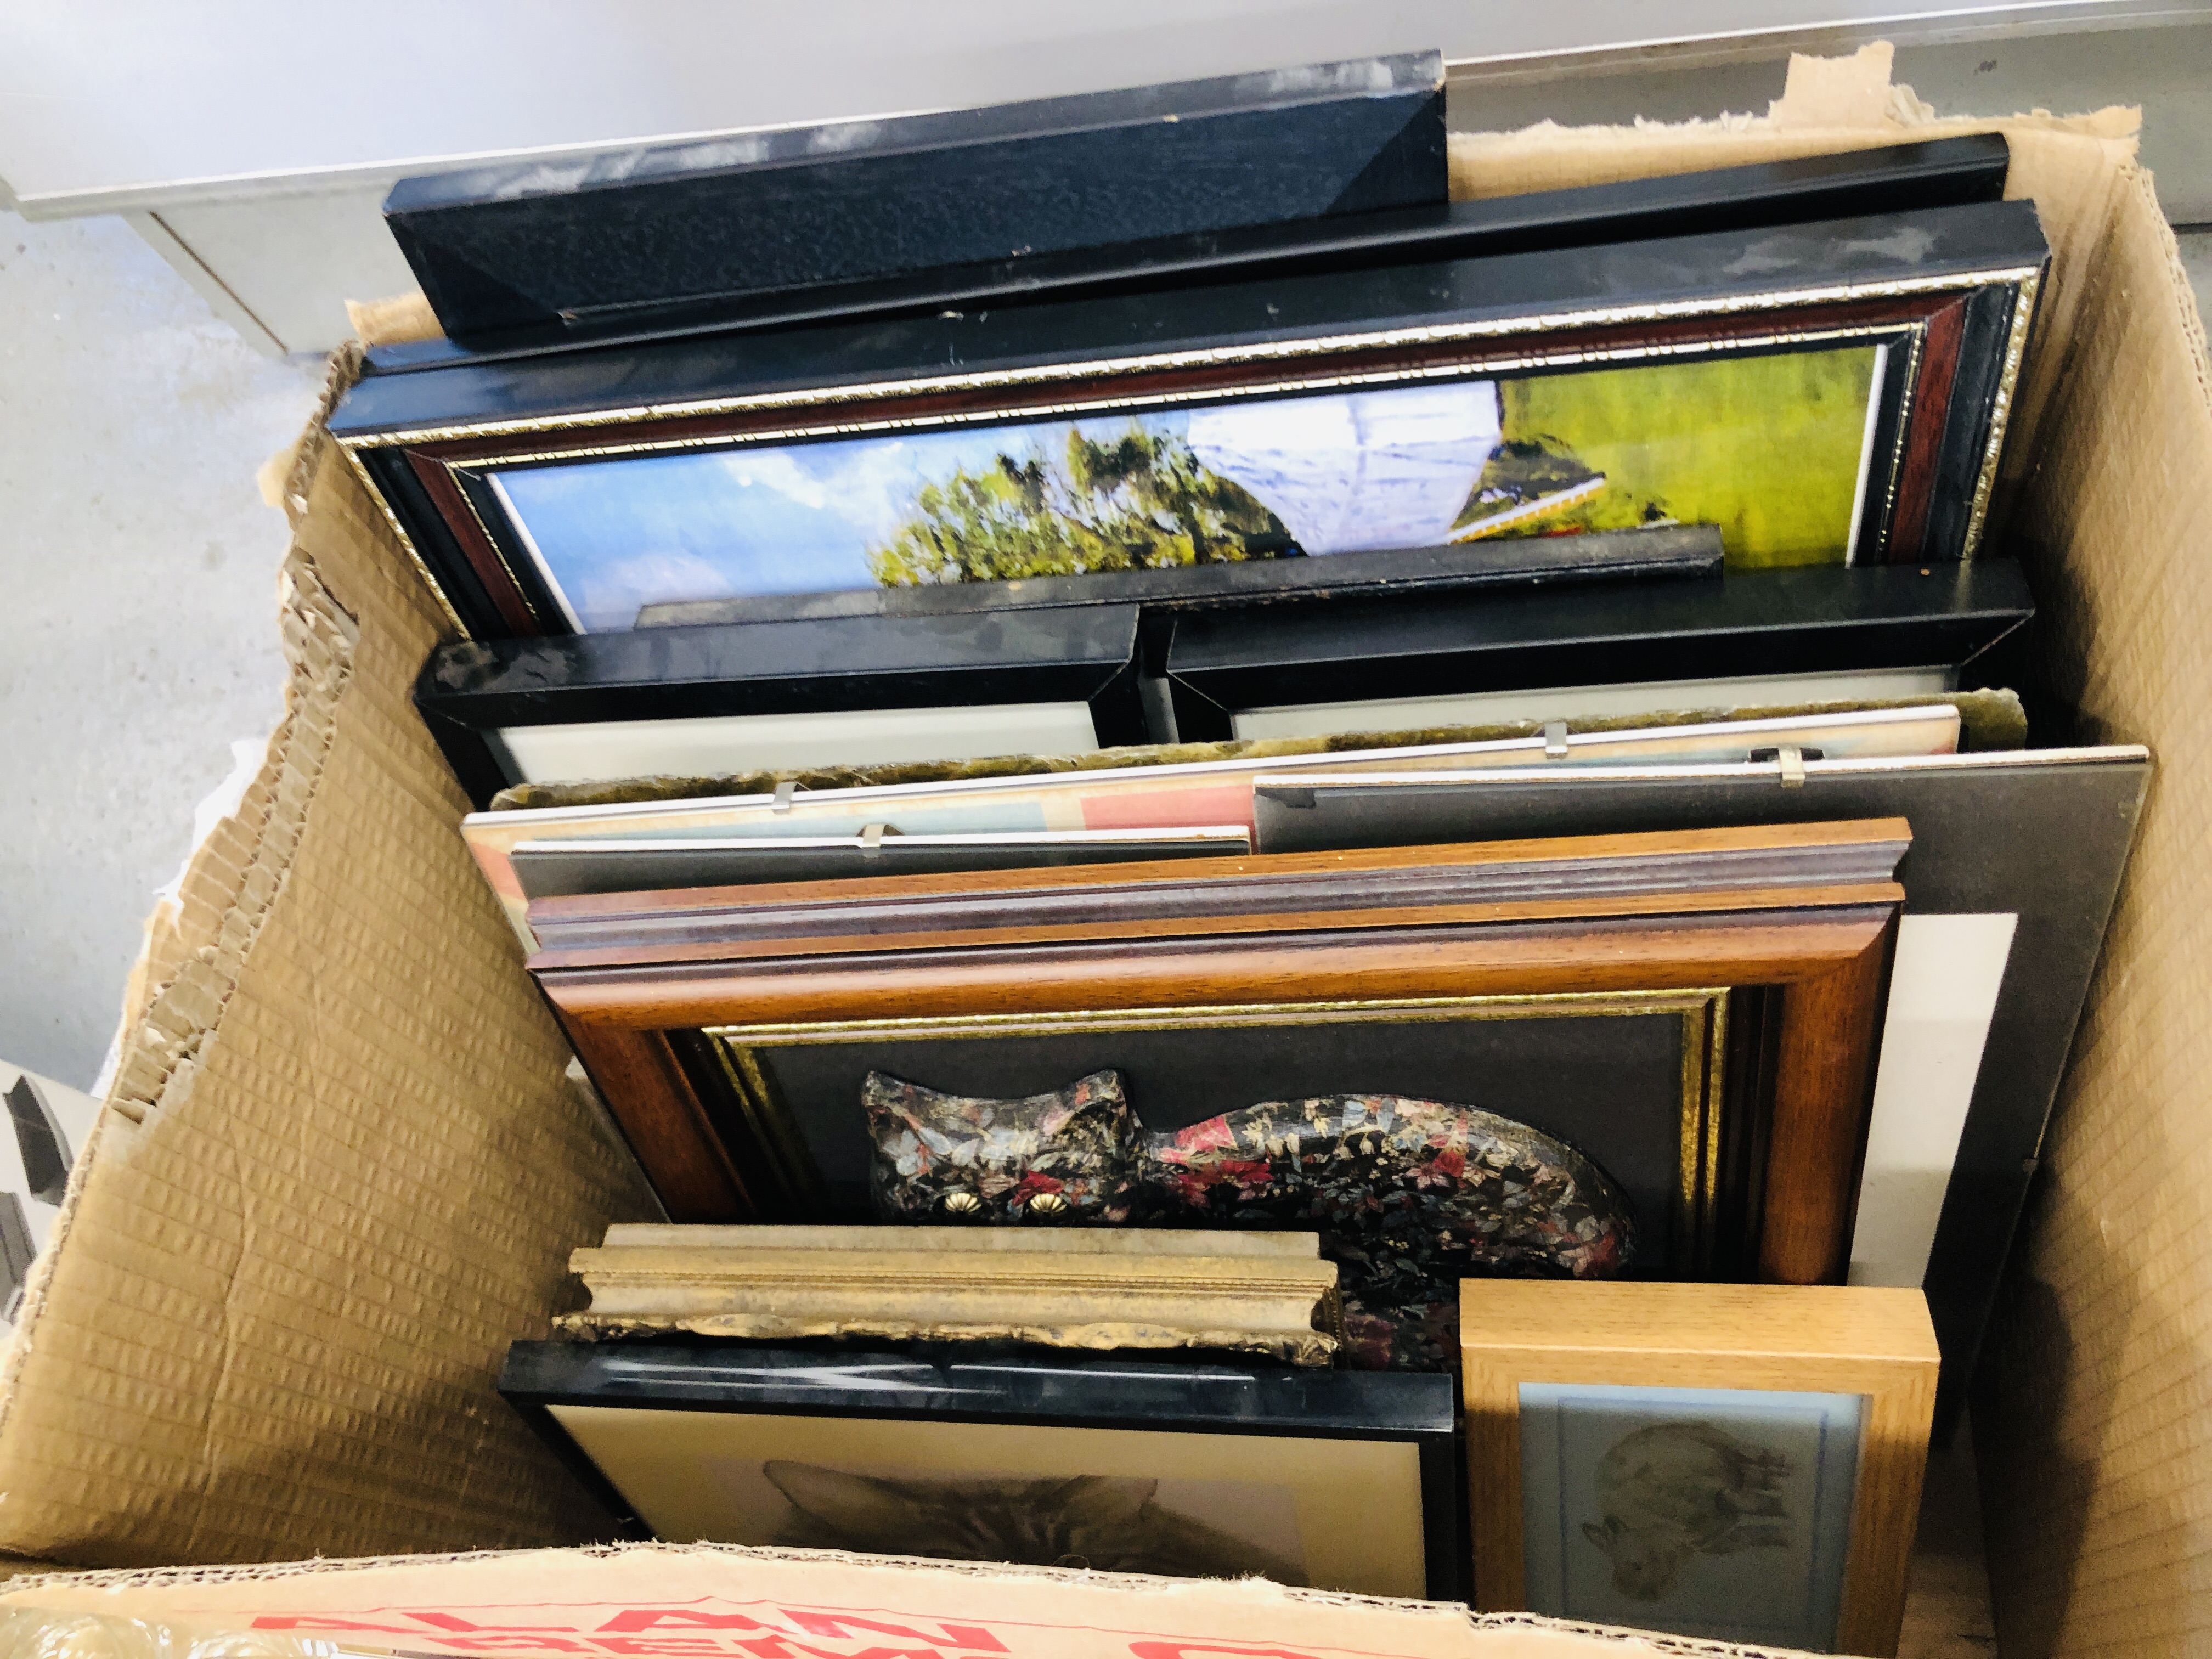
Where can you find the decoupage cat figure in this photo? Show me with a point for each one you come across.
(1410, 1197)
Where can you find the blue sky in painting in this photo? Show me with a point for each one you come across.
(798, 518)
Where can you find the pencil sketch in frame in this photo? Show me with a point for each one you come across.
(1222, 1465)
(1716, 1512)
(1737, 1459)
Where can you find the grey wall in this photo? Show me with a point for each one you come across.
(138, 581)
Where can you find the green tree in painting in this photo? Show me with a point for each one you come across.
(1138, 501)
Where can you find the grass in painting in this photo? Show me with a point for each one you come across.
(1767, 448)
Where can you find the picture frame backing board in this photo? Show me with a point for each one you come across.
(557, 869)
(2041, 834)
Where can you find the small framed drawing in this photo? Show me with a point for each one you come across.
(1736, 1462)
(1827, 394)
(1219, 1467)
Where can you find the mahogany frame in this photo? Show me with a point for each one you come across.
(1957, 335)
(1808, 910)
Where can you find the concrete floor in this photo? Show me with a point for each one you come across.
(137, 643)
(138, 582)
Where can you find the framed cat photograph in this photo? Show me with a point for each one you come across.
(1215, 1467)
(1734, 1462)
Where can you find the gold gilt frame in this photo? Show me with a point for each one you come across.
(1704, 1106)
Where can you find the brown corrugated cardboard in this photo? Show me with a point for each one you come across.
(2097, 1435)
(717, 1602)
(342, 1168)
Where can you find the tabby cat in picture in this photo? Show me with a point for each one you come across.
(1111, 1524)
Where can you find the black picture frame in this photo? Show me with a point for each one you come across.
(1964, 617)
(536, 248)
(1854, 184)
(468, 694)
(1654, 553)
(1950, 291)
(2043, 834)
(924, 1387)
(1098, 639)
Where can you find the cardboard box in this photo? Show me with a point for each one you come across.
(340, 1167)
(719, 1601)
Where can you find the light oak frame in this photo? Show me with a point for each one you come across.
(1876, 1343)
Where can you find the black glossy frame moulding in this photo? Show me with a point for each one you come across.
(1857, 184)
(550, 245)
(1205, 1394)
(468, 692)
(436, 444)
(1510, 563)
(1754, 622)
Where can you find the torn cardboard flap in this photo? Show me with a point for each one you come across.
(344, 1165)
(1845, 92)
(398, 320)
(719, 1601)
(1828, 106)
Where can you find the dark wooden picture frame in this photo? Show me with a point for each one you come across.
(1805, 914)
(1956, 313)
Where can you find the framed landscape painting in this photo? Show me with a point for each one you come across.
(1775, 448)
(1823, 394)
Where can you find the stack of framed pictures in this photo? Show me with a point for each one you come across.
(1477, 735)
(1674, 444)
(1141, 804)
